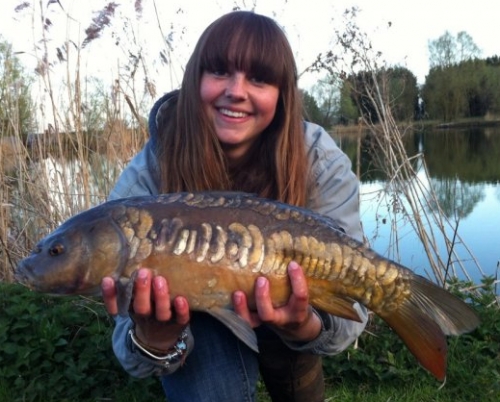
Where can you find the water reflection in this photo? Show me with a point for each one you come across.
(471, 155)
(455, 198)
(465, 175)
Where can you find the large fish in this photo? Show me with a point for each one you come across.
(210, 244)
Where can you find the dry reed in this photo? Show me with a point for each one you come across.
(73, 164)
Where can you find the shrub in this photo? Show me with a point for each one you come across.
(59, 349)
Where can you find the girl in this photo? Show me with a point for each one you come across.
(236, 124)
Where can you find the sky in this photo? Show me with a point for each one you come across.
(308, 25)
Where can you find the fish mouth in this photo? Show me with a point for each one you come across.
(24, 275)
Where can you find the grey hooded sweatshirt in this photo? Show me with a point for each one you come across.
(336, 194)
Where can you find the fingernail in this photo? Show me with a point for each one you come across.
(159, 283)
(237, 298)
(107, 283)
(261, 282)
(179, 303)
(142, 275)
(293, 266)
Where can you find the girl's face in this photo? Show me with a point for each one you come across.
(240, 106)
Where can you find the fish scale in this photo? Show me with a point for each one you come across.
(210, 244)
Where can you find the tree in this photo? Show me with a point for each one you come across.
(349, 111)
(16, 106)
(397, 85)
(312, 112)
(442, 51)
(322, 102)
(448, 50)
(403, 93)
(468, 89)
(466, 48)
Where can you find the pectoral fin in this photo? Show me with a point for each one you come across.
(239, 327)
(124, 293)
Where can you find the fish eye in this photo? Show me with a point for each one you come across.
(56, 249)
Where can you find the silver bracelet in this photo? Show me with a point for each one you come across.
(174, 355)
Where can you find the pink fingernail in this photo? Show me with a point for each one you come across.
(237, 298)
(159, 284)
(142, 275)
(107, 283)
(179, 303)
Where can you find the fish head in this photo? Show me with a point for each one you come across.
(75, 257)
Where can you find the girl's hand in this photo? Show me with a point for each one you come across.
(158, 321)
(295, 321)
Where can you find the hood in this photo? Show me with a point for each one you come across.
(162, 109)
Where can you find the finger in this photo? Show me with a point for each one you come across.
(142, 294)
(109, 295)
(181, 307)
(298, 281)
(240, 305)
(161, 297)
(263, 300)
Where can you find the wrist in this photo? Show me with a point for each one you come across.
(311, 329)
(174, 354)
(306, 332)
(159, 338)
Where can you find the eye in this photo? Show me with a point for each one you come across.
(56, 249)
(220, 73)
(258, 81)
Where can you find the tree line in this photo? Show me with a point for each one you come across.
(459, 85)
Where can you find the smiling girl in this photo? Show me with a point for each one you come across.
(236, 124)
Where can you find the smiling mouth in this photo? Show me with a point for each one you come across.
(232, 113)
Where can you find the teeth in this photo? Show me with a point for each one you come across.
(230, 113)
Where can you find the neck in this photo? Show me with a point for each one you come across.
(236, 156)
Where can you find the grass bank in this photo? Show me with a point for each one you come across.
(59, 350)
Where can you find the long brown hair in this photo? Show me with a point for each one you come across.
(188, 150)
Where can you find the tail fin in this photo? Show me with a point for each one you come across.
(425, 318)
(452, 314)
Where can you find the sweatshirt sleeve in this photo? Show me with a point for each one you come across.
(335, 194)
(137, 180)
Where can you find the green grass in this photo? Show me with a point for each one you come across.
(59, 349)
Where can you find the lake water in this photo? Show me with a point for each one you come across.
(464, 170)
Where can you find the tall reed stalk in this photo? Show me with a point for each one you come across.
(408, 187)
(411, 191)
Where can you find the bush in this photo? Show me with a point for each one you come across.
(59, 349)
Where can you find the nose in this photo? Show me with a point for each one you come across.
(237, 86)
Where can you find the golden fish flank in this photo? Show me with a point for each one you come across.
(379, 286)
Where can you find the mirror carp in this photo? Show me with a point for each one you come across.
(210, 244)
